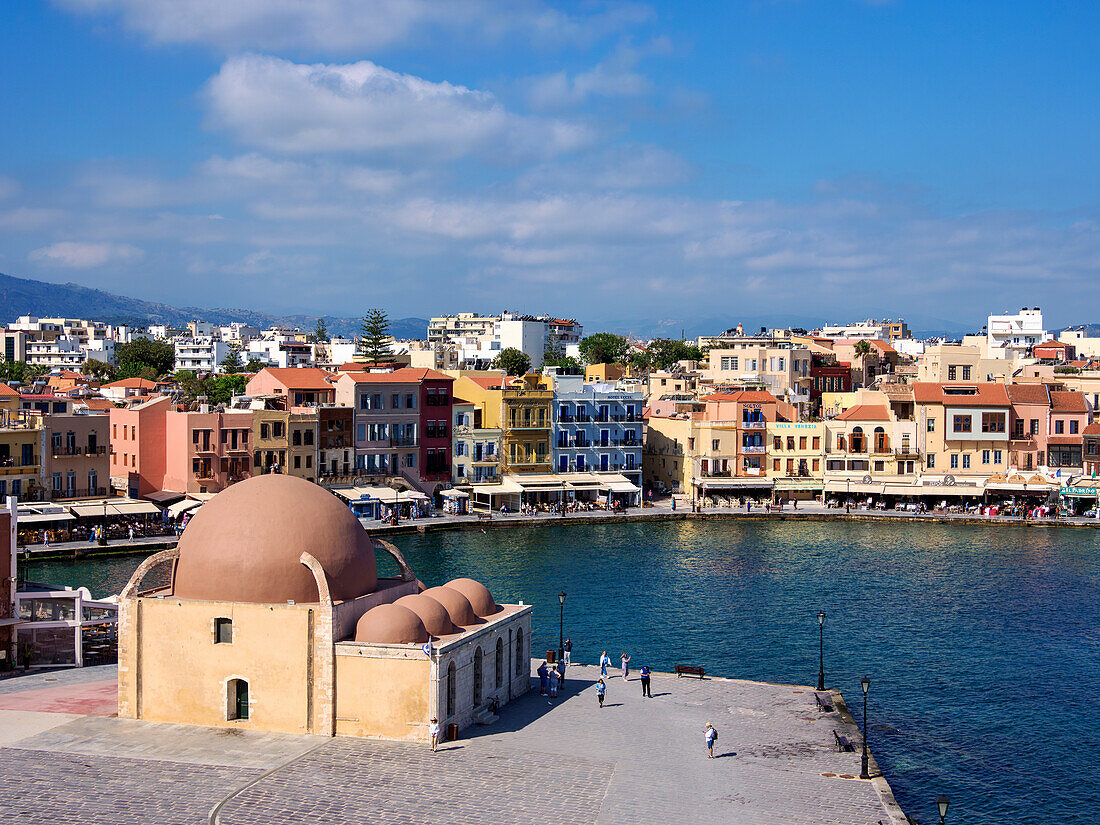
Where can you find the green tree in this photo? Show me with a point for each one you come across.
(14, 371)
(97, 369)
(142, 356)
(863, 348)
(226, 386)
(253, 365)
(639, 361)
(664, 353)
(372, 346)
(554, 356)
(320, 335)
(512, 361)
(232, 362)
(604, 348)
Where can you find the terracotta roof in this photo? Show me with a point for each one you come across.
(133, 383)
(8, 392)
(1064, 439)
(744, 396)
(1092, 429)
(487, 382)
(882, 346)
(865, 412)
(97, 403)
(456, 400)
(70, 374)
(981, 395)
(1028, 394)
(1067, 401)
(405, 375)
(300, 378)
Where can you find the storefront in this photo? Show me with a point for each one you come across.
(455, 502)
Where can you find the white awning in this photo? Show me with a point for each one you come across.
(853, 487)
(620, 487)
(113, 507)
(733, 483)
(453, 494)
(41, 518)
(181, 507)
(133, 508)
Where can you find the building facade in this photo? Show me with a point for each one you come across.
(597, 427)
(75, 459)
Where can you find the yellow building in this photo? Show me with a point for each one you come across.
(527, 424)
(275, 619)
(20, 454)
(796, 458)
(665, 461)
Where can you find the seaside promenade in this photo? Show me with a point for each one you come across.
(636, 760)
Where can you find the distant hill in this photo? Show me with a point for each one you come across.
(22, 296)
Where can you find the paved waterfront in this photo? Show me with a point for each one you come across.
(636, 760)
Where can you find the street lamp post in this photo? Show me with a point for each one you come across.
(942, 802)
(561, 626)
(864, 683)
(821, 649)
(693, 494)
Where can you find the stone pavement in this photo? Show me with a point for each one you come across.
(635, 761)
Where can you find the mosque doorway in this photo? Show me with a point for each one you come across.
(238, 698)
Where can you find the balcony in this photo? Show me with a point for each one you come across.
(73, 451)
(404, 442)
(528, 425)
(752, 450)
(11, 466)
(754, 425)
(907, 453)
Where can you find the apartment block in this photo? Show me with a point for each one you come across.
(963, 429)
(75, 456)
(477, 448)
(21, 455)
(597, 427)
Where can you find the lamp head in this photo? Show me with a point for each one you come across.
(864, 683)
(821, 617)
(942, 803)
(561, 597)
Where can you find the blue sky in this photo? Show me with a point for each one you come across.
(602, 160)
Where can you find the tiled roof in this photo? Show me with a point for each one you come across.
(300, 378)
(405, 375)
(133, 383)
(1028, 394)
(1092, 429)
(981, 395)
(1067, 401)
(744, 396)
(8, 392)
(865, 412)
(487, 382)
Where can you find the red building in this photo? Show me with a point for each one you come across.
(828, 375)
(436, 420)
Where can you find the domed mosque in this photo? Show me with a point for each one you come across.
(270, 615)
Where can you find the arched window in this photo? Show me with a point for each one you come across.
(519, 652)
(451, 689)
(479, 670)
(500, 663)
(881, 442)
(236, 699)
(857, 443)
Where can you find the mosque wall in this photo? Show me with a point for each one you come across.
(176, 670)
(382, 691)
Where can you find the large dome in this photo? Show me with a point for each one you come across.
(244, 544)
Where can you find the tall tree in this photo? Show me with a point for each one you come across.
(512, 361)
(372, 346)
(232, 362)
(603, 348)
(320, 335)
(142, 355)
(664, 353)
(98, 369)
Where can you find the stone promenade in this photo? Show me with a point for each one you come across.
(635, 761)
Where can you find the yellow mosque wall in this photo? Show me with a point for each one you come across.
(382, 694)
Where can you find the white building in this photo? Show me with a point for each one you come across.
(481, 338)
(238, 332)
(201, 354)
(1013, 336)
(281, 351)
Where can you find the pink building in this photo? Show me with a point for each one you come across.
(1046, 427)
(155, 447)
(302, 386)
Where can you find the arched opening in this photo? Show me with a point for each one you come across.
(882, 443)
(479, 670)
(519, 652)
(856, 442)
(451, 689)
(236, 694)
(500, 663)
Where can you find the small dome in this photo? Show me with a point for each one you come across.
(389, 624)
(244, 544)
(458, 606)
(432, 613)
(481, 600)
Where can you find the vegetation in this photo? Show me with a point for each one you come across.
(217, 389)
(142, 358)
(253, 365)
(512, 361)
(604, 348)
(232, 361)
(863, 348)
(664, 353)
(320, 334)
(566, 364)
(97, 369)
(372, 346)
(20, 371)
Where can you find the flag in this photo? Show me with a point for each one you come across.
(427, 648)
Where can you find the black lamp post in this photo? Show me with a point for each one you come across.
(821, 649)
(864, 683)
(561, 626)
(942, 802)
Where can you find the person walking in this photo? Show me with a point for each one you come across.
(131, 531)
(601, 689)
(560, 669)
(644, 672)
(605, 662)
(626, 665)
(711, 735)
(554, 679)
(568, 648)
(433, 732)
(544, 676)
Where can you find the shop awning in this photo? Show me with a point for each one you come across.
(506, 487)
(133, 508)
(835, 486)
(812, 484)
(735, 483)
(113, 507)
(623, 486)
(165, 496)
(453, 494)
(43, 518)
(180, 507)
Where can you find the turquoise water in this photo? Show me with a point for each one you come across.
(982, 644)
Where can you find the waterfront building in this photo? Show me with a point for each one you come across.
(1090, 448)
(200, 354)
(402, 424)
(302, 386)
(75, 460)
(597, 427)
(336, 443)
(963, 430)
(21, 455)
(284, 440)
(1047, 428)
(944, 363)
(477, 449)
(665, 463)
(527, 421)
(796, 457)
(780, 367)
(157, 448)
(276, 620)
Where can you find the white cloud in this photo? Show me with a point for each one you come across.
(86, 255)
(350, 26)
(617, 76)
(361, 107)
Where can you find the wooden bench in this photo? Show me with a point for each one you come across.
(824, 702)
(690, 670)
(843, 743)
(484, 516)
